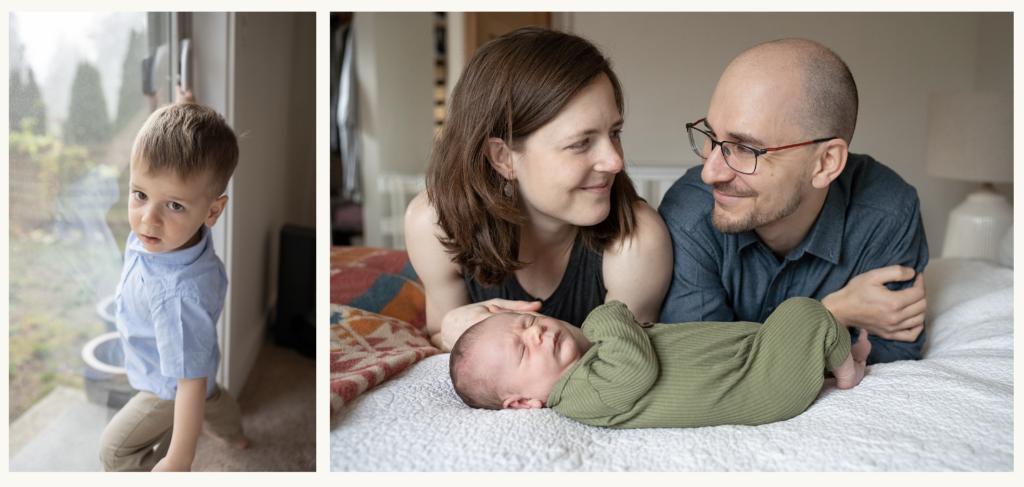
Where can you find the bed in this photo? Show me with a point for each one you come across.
(393, 407)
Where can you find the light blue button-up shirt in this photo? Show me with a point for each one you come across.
(167, 309)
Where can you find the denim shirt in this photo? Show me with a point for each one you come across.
(167, 309)
(871, 218)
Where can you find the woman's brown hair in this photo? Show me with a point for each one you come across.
(511, 87)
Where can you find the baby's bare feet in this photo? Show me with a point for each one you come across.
(850, 373)
(239, 444)
(862, 348)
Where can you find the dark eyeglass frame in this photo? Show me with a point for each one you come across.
(757, 152)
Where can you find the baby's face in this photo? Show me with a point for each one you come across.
(165, 213)
(526, 353)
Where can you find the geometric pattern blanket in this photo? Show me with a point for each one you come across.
(378, 319)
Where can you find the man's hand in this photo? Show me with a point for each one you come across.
(458, 320)
(866, 303)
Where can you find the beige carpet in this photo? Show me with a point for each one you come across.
(278, 416)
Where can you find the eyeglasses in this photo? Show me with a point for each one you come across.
(740, 158)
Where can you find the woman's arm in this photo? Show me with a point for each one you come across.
(449, 309)
(638, 270)
(442, 281)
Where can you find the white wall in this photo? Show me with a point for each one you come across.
(274, 64)
(258, 69)
(394, 60)
(301, 203)
(669, 64)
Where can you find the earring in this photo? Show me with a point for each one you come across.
(508, 189)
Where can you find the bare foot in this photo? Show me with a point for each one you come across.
(851, 372)
(239, 444)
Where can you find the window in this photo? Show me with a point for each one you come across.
(77, 100)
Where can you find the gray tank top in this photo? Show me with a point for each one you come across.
(580, 291)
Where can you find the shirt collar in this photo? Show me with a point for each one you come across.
(181, 257)
(745, 239)
(825, 238)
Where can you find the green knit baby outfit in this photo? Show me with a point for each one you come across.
(700, 374)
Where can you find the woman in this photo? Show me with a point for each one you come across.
(527, 206)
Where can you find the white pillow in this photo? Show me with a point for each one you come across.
(1005, 258)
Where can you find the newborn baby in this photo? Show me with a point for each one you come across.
(620, 374)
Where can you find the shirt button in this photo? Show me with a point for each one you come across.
(150, 257)
(771, 308)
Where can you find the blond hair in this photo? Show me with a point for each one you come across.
(191, 141)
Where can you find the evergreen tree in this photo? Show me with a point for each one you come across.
(26, 102)
(88, 122)
(16, 105)
(130, 97)
(35, 109)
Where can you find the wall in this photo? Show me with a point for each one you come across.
(669, 64)
(274, 64)
(394, 60)
(301, 204)
(995, 62)
(258, 69)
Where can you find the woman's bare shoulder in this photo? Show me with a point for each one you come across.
(638, 269)
(420, 214)
(423, 238)
(421, 222)
(649, 235)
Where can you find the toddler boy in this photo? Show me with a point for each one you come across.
(171, 294)
(620, 374)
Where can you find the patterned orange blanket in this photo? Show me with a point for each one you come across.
(378, 319)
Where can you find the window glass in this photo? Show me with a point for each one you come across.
(77, 100)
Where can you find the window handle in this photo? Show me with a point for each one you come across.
(151, 69)
(183, 72)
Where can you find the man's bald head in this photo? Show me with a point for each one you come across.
(828, 105)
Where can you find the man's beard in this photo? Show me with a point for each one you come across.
(757, 217)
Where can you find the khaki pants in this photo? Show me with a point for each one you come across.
(127, 444)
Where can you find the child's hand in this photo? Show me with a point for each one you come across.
(185, 96)
(167, 464)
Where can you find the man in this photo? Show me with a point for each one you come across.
(780, 208)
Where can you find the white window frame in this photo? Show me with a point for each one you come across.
(212, 80)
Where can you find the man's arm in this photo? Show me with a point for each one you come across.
(887, 300)
(865, 302)
(189, 408)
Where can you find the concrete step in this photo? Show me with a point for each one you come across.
(61, 433)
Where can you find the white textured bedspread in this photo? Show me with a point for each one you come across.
(951, 411)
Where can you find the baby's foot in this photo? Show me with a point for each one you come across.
(851, 371)
(862, 348)
(239, 444)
